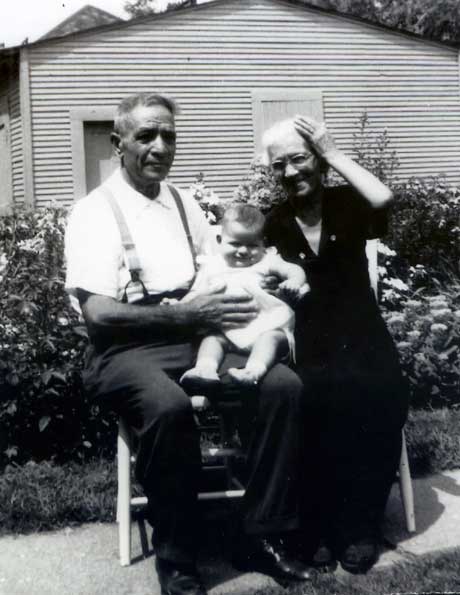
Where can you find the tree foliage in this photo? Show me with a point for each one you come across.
(438, 19)
(141, 8)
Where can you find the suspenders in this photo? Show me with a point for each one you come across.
(132, 259)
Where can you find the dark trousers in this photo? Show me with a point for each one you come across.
(141, 384)
(353, 421)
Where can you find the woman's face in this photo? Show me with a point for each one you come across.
(295, 167)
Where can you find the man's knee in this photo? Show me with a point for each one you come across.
(282, 384)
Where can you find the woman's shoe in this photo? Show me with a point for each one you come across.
(324, 558)
(360, 556)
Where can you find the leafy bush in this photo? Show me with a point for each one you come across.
(259, 188)
(208, 200)
(425, 324)
(43, 412)
(372, 149)
(425, 226)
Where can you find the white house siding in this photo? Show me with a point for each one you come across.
(212, 57)
(9, 94)
(17, 162)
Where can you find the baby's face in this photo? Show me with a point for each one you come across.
(241, 247)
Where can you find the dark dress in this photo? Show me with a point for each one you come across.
(356, 399)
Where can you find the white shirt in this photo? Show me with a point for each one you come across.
(94, 252)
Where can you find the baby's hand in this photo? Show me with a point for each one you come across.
(293, 290)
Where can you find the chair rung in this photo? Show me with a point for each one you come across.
(199, 402)
(237, 483)
(142, 500)
(220, 495)
(220, 452)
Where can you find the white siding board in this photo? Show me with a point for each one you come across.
(17, 163)
(211, 59)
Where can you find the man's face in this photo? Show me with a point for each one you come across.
(239, 246)
(149, 144)
(294, 166)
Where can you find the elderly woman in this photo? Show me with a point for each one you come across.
(356, 395)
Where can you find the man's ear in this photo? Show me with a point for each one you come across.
(116, 141)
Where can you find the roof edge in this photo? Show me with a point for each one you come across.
(171, 13)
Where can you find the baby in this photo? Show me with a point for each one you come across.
(242, 264)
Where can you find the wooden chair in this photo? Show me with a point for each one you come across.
(125, 501)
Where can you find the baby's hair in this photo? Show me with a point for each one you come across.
(127, 105)
(247, 215)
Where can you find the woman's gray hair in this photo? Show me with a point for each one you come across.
(127, 105)
(277, 131)
(272, 135)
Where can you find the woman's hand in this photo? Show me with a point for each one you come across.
(374, 192)
(292, 291)
(317, 135)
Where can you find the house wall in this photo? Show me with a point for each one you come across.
(17, 155)
(212, 57)
(9, 96)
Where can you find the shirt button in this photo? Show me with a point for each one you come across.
(302, 255)
(333, 237)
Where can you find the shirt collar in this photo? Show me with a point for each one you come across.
(133, 201)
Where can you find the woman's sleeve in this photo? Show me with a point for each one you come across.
(355, 216)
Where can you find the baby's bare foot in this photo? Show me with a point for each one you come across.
(199, 377)
(244, 376)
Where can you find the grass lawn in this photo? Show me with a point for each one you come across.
(434, 573)
(44, 496)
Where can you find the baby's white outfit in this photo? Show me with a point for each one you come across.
(273, 314)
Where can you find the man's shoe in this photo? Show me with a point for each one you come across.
(178, 580)
(360, 556)
(271, 558)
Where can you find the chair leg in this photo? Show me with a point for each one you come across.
(124, 494)
(405, 486)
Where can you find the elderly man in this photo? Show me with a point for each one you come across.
(130, 244)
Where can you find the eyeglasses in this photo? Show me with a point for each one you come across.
(297, 161)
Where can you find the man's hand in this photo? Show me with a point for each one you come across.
(317, 135)
(218, 311)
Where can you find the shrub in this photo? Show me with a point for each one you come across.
(259, 188)
(372, 149)
(208, 200)
(44, 412)
(425, 226)
(425, 324)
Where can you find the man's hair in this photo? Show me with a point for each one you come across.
(123, 120)
(248, 216)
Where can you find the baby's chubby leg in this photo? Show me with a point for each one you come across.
(266, 351)
(210, 355)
